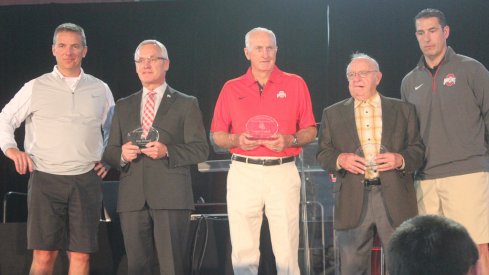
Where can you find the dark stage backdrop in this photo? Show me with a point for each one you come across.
(205, 40)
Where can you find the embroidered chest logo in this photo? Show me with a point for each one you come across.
(281, 94)
(449, 80)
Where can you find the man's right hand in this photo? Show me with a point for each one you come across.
(130, 151)
(23, 162)
(228, 141)
(352, 163)
(246, 143)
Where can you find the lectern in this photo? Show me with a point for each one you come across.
(316, 249)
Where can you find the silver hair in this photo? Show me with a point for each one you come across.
(70, 27)
(259, 29)
(164, 52)
(358, 55)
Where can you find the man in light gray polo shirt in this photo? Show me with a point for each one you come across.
(67, 116)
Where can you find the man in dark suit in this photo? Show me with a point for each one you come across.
(155, 192)
(372, 144)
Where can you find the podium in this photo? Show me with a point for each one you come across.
(316, 247)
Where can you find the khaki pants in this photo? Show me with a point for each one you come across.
(463, 198)
(252, 189)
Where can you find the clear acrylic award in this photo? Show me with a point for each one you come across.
(262, 127)
(141, 137)
(369, 151)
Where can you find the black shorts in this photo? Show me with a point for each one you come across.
(63, 211)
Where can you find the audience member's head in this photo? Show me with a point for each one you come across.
(432, 245)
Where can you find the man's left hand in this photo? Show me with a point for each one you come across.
(388, 161)
(155, 150)
(101, 169)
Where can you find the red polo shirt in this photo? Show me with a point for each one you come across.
(285, 97)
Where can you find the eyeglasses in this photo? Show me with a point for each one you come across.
(152, 60)
(361, 74)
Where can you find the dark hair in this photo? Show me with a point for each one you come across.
(431, 245)
(70, 27)
(427, 13)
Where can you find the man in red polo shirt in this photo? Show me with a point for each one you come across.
(263, 117)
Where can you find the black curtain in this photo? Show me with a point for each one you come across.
(205, 41)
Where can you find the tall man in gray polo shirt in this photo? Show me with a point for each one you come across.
(451, 95)
(65, 113)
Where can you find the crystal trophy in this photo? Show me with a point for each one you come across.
(141, 137)
(262, 127)
(369, 151)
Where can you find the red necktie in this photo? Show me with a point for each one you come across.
(149, 112)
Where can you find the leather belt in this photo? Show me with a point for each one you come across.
(264, 162)
(371, 182)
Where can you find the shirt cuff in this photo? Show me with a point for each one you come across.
(123, 161)
(403, 164)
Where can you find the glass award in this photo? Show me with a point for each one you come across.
(141, 137)
(369, 151)
(262, 127)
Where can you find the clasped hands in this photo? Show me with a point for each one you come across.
(277, 142)
(357, 165)
(154, 150)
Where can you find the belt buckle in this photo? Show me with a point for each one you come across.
(366, 183)
(268, 162)
(370, 182)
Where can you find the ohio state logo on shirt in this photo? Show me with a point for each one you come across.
(281, 94)
(449, 80)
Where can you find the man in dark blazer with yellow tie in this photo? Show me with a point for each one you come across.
(155, 191)
(374, 196)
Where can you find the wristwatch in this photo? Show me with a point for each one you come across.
(295, 142)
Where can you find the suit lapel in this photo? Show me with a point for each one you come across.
(348, 116)
(389, 117)
(135, 104)
(168, 98)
